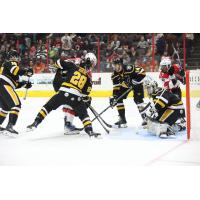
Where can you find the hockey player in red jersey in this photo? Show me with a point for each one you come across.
(172, 75)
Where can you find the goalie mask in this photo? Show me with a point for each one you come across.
(152, 87)
(165, 64)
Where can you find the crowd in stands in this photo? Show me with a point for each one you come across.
(35, 49)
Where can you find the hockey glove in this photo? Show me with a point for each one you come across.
(182, 72)
(29, 72)
(28, 85)
(87, 100)
(113, 101)
(171, 71)
(24, 84)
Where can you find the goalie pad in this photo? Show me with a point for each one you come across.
(156, 128)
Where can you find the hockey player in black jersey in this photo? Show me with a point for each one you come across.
(165, 111)
(75, 87)
(124, 77)
(9, 81)
(87, 63)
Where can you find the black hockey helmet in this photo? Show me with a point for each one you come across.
(13, 55)
(117, 60)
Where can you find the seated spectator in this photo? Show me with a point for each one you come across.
(160, 44)
(39, 67)
(189, 43)
(115, 44)
(171, 41)
(67, 41)
(32, 51)
(142, 46)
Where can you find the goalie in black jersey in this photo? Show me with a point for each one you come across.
(76, 86)
(165, 110)
(123, 78)
(9, 81)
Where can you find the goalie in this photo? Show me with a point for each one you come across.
(166, 108)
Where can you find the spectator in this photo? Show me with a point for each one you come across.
(115, 44)
(189, 43)
(160, 44)
(142, 46)
(67, 41)
(39, 67)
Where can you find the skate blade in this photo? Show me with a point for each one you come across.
(72, 133)
(9, 134)
(121, 126)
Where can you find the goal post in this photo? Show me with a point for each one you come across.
(192, 98)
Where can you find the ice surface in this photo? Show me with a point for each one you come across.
(47, 145)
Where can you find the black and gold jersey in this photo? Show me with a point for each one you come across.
(164, 99)
(133, 74)
(10, 73)
(117, 79)
(75, 77)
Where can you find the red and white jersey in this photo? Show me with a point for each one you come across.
(167, 79)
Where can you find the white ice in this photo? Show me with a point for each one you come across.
(47, 145)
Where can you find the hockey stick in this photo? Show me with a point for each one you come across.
(94, 113)
(126, 92)
(176, 52)
(97, 114)
(26, 92)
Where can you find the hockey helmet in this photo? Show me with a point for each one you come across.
(117, 64)
(165, 64)
(90, 60)
(13, 55)
(151, 86)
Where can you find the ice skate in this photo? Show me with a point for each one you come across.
(9, 129)
(31, 127)
(2, 129)
(121, 123)
(70, 129)
(93, 134)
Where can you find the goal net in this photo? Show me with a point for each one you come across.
(192, 99)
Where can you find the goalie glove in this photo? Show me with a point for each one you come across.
(113, 101)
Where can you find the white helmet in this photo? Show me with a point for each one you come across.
(92, 58)
(151, 86)
(165, 64)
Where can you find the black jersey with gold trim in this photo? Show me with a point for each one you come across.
(164, 99)
(10, 72)
(133, 74)
(117, 79)
(75, 77)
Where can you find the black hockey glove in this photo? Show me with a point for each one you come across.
(170, 71)
(24, 84)
(113, 101)
(29, 72)
(87, 100)
(174, 81)
(182, 72)
(28, 85)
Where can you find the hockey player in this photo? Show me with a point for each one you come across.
(165, 110)
(171, 75)
(9, 81)
(124, 77)
(76, 86)
(87, 63)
